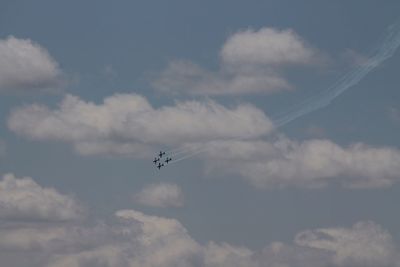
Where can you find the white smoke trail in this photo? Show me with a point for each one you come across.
(176, 150)
(387, 48)
(180, 152)
(194, 153)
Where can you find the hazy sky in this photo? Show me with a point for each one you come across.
(282, 119)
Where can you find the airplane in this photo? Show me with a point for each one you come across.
(161, 154)
(168, 160)
(156, 160)
(160, 165)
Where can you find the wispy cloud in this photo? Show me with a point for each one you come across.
(252, 61)
(364, 244)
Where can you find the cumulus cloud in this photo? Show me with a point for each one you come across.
(229, 139)
(138, 239)
(133, 238)
(160, 195)
(251, 62)
(23, 198)
(127, 123)
(26, 66)
(311, 163)
(365, 244)
(267, 46)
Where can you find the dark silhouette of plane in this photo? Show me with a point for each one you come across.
(160, 165)
(168, 160)
(161, 154)
(156, 160)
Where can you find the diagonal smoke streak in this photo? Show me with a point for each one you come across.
(386, 49)
(180, 152)
(176, 150)
(192, 154)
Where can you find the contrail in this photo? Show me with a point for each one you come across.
(388, 47)
(194, 153)
(176, 150)
(179, 152)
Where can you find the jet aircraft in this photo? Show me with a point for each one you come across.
(168, 160)
(160, 165)
(156, 160)
(161, 154)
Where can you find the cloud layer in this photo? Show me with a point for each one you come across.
(160, 195)
(137, 239)
(228, 139)
(133, 238)
(23, 198)
(365, 244)
(128, 124)
(251, 62)
(26, 66)
(312, 163)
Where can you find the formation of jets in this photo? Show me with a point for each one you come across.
(159, 160)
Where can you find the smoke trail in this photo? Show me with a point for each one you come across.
(387, 48)
(194, 153)
(176, 150)
(180, 152)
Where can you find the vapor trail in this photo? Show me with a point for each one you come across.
(389, 44)
(386, 49)
(194, 153)
(176, 150)
(182, 151)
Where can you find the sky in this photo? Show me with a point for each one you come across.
(281, 118)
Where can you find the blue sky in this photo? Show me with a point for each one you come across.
(91, 91)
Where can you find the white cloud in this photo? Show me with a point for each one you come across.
(186, 77)
(160, 195)
(129, 124)
(267, 46)
(251, 62)
(365, 244)
(227, 255)
(107, 256)
(25, 65)
(23, 198)
(135, 239)
(126, 124)
(312, 163)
